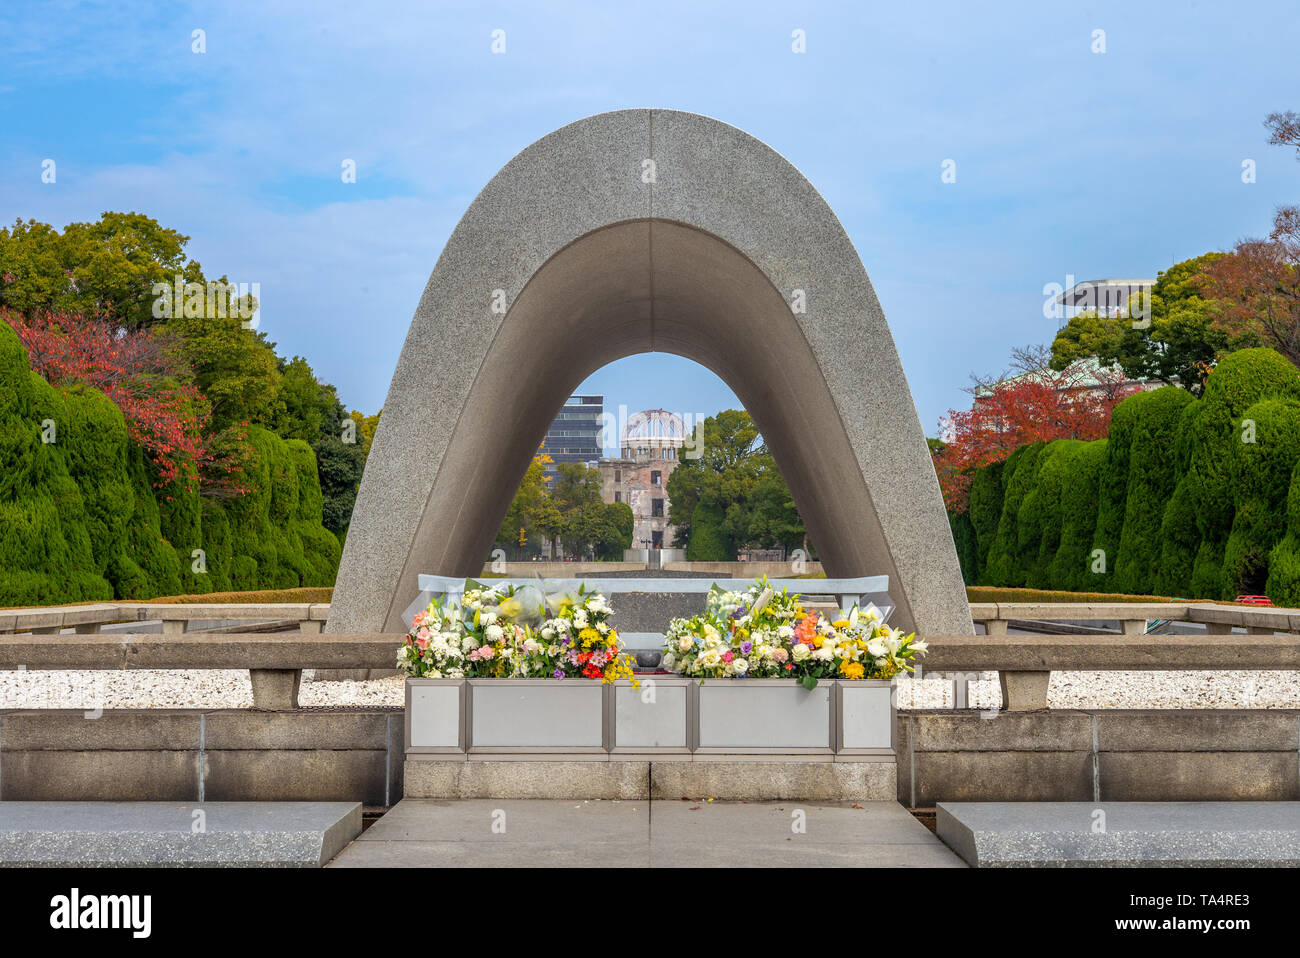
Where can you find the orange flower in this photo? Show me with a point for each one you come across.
(806, 631)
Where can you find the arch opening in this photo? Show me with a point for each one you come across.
(636, 287)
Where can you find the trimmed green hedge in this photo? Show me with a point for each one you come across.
(81, 521)
(1151, 480)
(1184, 497)
(1006, 564)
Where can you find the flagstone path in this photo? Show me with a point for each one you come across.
(545, 833)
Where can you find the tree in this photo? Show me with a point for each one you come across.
(733, 494)
(1036, 404)
(140, 372)
(1178, 343)
(619, 526)
(576, 493)
(1258, 285)
(235, 367)
(532, 513)
(365, 426)
(305, 403)
(341, 465)
(108, 268)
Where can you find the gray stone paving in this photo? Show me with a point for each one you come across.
(153, 834)
(545, 833)
(1123, 834)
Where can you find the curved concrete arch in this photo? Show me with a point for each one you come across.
(629, 232)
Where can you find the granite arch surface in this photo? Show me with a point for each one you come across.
(629, 232)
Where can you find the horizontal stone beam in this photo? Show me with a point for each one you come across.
(249, 650)
(1013, 653)
(1087, 653)
(1245, 616)
(301, 611)
(1091, 610)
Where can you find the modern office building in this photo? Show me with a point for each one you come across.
(574, 436)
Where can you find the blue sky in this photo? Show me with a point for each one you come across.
(1068, 162)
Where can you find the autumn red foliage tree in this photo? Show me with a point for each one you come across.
(1033, 403)
(140, 371)
(1259, 281)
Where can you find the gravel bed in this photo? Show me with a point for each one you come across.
(229, 688)
(176, 689)
(1123, 690)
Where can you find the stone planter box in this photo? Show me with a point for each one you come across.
(667, 715)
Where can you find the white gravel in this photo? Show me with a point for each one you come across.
(229, 688)
(1123, 690)
(175, 689)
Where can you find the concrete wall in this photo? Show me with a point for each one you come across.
(194, 755)
(562, 570)
(750, 570)
(356, 755)
(1106, 755)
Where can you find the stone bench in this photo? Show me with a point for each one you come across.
(1025, 663)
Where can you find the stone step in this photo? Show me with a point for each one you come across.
(153, 834)
(1122, 834)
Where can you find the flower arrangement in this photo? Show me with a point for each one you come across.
(578, 641)
(498, 633)
(765, 634)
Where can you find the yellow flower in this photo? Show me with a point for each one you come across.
(588, 636)
(852, 670)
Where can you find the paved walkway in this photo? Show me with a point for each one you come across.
(497, 832)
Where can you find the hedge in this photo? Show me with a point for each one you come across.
(1071, 567)
(1006, 565)
(1151, 479)
(1039, 521)
(80, 519)
(1184, 496)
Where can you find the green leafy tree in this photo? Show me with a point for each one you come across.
(532, 513)
(106, 268)
(576, 493)
(1178, 345)
(235, 368)
(736, 481)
